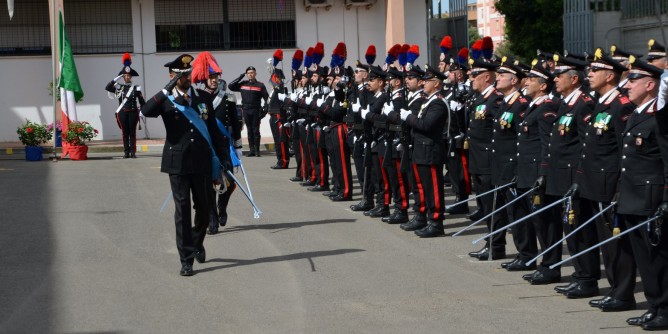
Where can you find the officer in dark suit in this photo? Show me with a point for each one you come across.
(277, 117)
(481, 114)
(252, 94)
(597, 176)
(361, 130)
(644, 188)
(130, 100)
(188, 156)
(558, 166)
(429, 149)
(534, 136)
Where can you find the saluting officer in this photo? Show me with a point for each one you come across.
(130, 100)
(252, 94)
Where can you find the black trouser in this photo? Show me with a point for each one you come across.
(620, 267)
(252, 120)
(483, 183)
(297, 147)
(340, 160)
(457, 164)
(588, 266)
(319, 159)
(358, 158)
(307, 166)
(219, 211)
(652, 261)
(549, 231)
(379, 179)
(431, 178)
(127, 121)
(399, 184)
(281, 141)
(524, 234)
(190, 238)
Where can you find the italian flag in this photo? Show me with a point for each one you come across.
(69, 84)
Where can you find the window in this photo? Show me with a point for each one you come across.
(93, 26)
(224, 25)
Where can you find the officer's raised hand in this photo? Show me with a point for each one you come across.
(172, 83)
(573, 191)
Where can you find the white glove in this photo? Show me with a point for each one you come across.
(365, 111)
(663, 91)
(238, 152)
(313, 125)
(293, 97)
(326, 128)
(301, 121)
(354, 138)
(118, 77)
(281, 96)
(387, 109)
(319, 102)
(454, 105)
(405, 113)
(357, 106)
(308, 100)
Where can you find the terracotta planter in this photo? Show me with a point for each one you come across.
(34, 153)
(79, 152)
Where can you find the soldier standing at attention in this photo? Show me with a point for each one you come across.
(252, 94)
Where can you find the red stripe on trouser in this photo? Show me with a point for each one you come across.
(467, 177)
(402, 186)
(322, 161)
(284, 156)
(313, 170)
(344, 168)
(301, 151)
(420, 189)
(437, 197)
(386, 183)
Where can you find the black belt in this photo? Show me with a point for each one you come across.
(380, 124)
(250, 107)
(358, 126)
(395, 128)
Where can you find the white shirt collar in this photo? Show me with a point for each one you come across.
(644, 106)
(570, 96)
(487, 90)
(509, 96)
(537, 100)
(606, 96)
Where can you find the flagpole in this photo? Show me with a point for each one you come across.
(54, 51)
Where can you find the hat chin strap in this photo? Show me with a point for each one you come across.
(181, 71)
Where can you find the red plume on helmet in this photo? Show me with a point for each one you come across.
(278, 57)
(462, 56)
(446, 44)
(476, 49)
(370, 55)
(487, 47)
(203, 66)
(297, 59)
(339, 55)
(318, 53)
(393, 54)
(127, 61)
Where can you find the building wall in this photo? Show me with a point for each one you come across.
(27, 93)
(490, 22)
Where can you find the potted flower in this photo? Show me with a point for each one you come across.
(76, 136)
(32, 135)
(58, 127)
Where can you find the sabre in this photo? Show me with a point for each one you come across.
(256, 211)
(606, 241)
(243, 172)
(480, 195)
(572, 232)
(520, 220)
(497, 210)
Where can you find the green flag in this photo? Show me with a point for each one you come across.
(69, 79)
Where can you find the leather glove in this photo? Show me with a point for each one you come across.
(301, 121)
(308, 100)
(241, 76)
(357, 106)
(573, 191)
(319, 102)
(238, 152)
(404, 114)
(281, 97)
(540, 183)
(662, 210)
(172, 83)
(365, 111)
(227, 165)
(387, 109)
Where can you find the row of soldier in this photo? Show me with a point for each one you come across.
(572, 145)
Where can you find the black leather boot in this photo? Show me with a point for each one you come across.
(397, 217)
(380, 210)
(433, 229)
(416, 223)
(364, 205)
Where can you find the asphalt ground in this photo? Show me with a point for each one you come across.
(85, 249)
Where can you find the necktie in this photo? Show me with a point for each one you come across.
(186, 97)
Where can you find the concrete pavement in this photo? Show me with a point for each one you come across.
(85, 249)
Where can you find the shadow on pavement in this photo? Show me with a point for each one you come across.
(284, 226)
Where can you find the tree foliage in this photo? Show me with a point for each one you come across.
(473, 35)
(533, 24)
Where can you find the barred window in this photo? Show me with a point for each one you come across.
(93, 26)
(224, 25)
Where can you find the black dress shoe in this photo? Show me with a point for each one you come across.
(521, 265)
(477, 254)
(307, 183)
(132, 155)
(585, 289)
(200, 255)
(416, 223)
(212, 229)
(126, 155)
(496, 255)
(364, 205)
(433, 229)
(250, 154)
(397, 217)
(222, 219)
(341, 198)
(505, 265)
(475, 215)
(528, 277)
(383, 211)
(318, 188)
(296, 179)
(277, 166)
(563, 289)
(639, 321)
(458, 210)
(609, 304)
(186, 270)
(542, 279)
(659, 323)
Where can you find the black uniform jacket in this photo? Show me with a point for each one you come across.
(480, 131)
(560, 161)
(186, 151)
(598, 172)
(533, 138)
(644, 174)
(504, 142)
(252, 92)
(427, 131)
(121, 91)
(375, 117)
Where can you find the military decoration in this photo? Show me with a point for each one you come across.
(203, 112)
(506, 120)
(480, 111)
(601, 122)
(565, 123)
